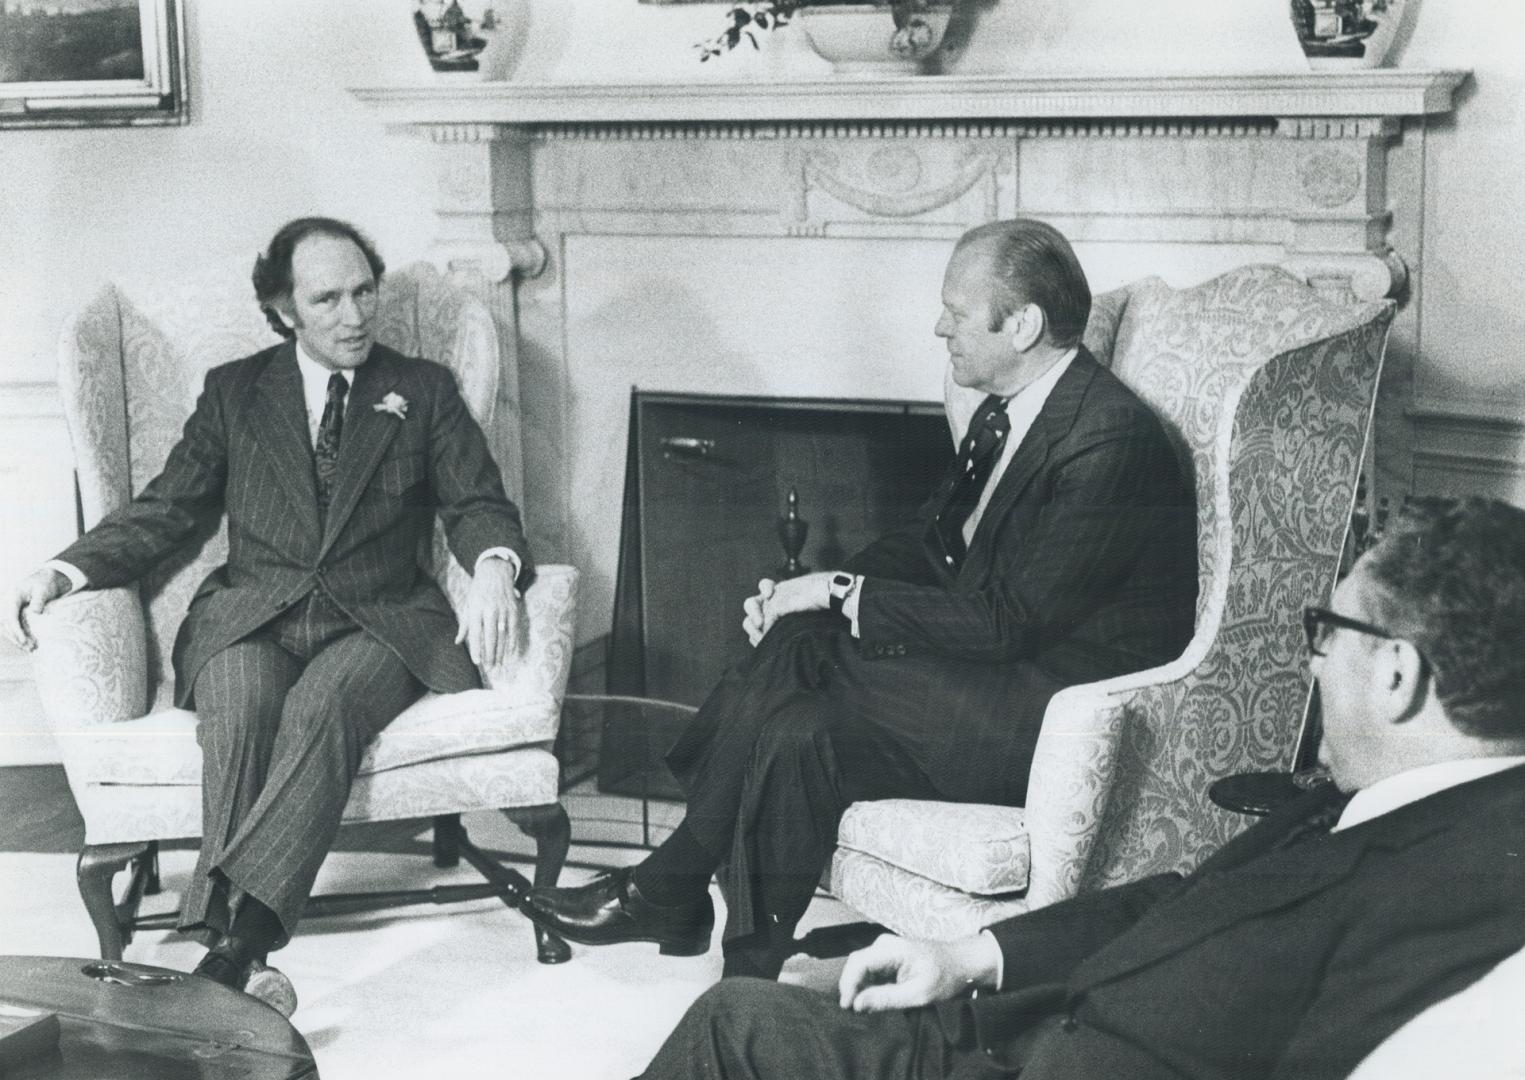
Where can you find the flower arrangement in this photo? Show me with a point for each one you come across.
(745, 19)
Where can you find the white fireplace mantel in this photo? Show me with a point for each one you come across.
(1391, 92)
(650, 233)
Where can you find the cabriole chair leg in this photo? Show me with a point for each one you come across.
(98, 866)
(552, 832)
(151, 883)
(447, 841)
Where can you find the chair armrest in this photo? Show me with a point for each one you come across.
(91, 662)
(1073, 771)
(551, 603)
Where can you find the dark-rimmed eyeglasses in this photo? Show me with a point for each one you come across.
(1318, 621)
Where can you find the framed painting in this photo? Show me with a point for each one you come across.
(83, 63)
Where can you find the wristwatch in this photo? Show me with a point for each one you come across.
(839, 588)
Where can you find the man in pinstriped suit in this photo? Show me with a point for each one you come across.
(1060, 549)
(322, 625)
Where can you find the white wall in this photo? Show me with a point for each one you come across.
(274, 134)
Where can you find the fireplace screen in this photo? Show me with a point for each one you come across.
(720, 492)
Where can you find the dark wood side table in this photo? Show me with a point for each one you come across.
(135, 1022)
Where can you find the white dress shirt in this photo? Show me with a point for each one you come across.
(1412, 785)
(315, 390)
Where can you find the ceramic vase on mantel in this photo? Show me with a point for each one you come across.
(863, 39)
(1345, 34)
(462, 38)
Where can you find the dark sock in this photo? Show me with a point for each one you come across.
(257, 927)
(678, 872)
(759, 956)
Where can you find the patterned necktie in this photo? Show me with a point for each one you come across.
(977, 456)
(325, 458)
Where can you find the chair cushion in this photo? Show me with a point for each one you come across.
(161, 748)
(524, 776)
(972, 847)
(912, 905)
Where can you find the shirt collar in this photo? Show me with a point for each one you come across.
(312, 371)
(1411, 785)
(1044, 384)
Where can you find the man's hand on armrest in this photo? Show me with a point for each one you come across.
(35, 591)
(898, 973)
(493, 623)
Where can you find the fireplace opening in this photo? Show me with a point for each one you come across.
(720, 492)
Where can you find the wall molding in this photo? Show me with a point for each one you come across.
(30, 399)
(1473, 447)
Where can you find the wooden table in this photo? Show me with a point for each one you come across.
(135, 1022)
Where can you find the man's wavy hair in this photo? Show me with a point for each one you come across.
(1449, 576)
(1032, 263)
(272, 269)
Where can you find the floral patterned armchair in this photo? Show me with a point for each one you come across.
(130, 367)
(1267, 390)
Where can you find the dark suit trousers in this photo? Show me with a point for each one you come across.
(776, 753)
(284, 716)
(761, 1030)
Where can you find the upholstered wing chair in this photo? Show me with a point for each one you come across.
(130, 367)
(1267, 389)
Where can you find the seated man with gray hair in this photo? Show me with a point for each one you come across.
(1294, 950)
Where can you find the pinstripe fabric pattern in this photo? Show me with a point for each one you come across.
(245, 450)
(284, 717)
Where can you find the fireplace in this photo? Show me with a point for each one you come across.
(719, 492)
(787, 238)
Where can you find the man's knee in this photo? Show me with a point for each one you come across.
(349, 695)
(797, 730)
(239, 691)
(739, 1008)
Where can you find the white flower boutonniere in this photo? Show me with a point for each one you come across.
(393, 403)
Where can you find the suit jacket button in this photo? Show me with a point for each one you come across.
(1069, 1024)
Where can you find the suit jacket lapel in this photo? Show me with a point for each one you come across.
(367, 433)
(1263, 880)
(1052, 424)
(277, 422)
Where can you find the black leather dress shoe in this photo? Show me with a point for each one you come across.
(610, 909)
(226, 962)
(232, 963)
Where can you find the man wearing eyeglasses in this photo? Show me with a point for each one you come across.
(1291, 952)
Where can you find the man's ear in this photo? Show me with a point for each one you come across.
(286, 310)
(1398, 678)
(1026, 327)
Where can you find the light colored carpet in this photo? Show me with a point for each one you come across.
(451, 992)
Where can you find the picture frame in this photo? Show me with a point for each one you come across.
(92, 63)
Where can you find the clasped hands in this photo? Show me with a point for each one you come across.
(775, 599)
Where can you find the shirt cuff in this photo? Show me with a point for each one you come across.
(506, 554)
(850, 602)
(998, 958)
(69, 570)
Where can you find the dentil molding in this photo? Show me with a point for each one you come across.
(1375, 93)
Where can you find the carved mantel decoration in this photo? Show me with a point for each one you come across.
(907, 152)
(542, 186)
